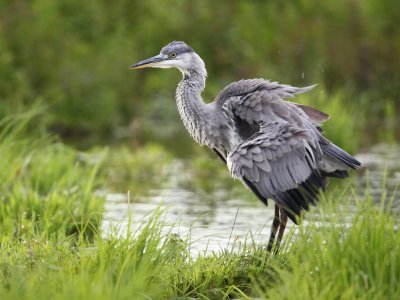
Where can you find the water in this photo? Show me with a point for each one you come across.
(220, 219)
(213, 225)
(381, 172)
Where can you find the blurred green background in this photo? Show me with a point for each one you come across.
(73, 56)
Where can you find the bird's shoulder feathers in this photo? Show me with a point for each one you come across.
(256, 100)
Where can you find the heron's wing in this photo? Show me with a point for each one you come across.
(279, 157)
(259, 100)
(248, 86)
(280, 162)
(284, 155)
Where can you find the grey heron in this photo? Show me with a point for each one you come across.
(275, 147)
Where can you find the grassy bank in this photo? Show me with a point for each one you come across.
(357, 259)
(353, 259)
(46, 188)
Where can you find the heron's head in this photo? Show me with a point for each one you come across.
(174, 55)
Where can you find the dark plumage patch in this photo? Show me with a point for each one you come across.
(293, 201)
(176, 47)
(219, 155)
(245, 129)
(336, 174)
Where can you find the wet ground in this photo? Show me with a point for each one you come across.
(220, 218)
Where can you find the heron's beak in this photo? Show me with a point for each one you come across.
(147, 63)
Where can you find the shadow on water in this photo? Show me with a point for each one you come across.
(224, 214)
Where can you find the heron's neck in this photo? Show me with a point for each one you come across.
(191, 107)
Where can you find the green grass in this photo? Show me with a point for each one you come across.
(353, 259)
(356, 260)
(46, 188)
(51, 246)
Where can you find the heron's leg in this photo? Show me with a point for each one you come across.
(274, 228)
(282, 226)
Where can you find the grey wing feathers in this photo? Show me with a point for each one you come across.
(258, 100)
(286, 158)
(251, 99)
(276, 162)
(248, 86)
(276, 155)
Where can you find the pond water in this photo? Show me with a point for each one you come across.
(220, 218)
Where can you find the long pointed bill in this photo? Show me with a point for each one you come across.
(147, 63)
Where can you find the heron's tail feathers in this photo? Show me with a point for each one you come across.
(340, 155)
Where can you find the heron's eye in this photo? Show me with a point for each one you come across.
(172, 55)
